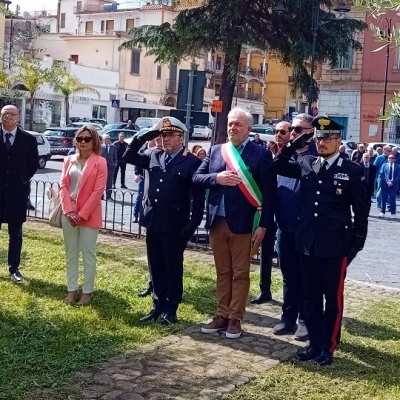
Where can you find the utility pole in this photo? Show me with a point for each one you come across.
(189, 106)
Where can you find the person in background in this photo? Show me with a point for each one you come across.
(109, 152)
(372, 155)
(82, 184)
(369, 174)
(389, 178)
(379, 162)
(130, 125)
(121, 147)
(343, 153)
(379, 151)
(395, 152)
(195, 148)
(201, 153)
(356, 156)
(18, 164)
(258, 141)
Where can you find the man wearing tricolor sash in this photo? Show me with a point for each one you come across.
(240, 208)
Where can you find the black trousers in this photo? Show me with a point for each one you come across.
(14, 246)
(267, 254)
(289, 262)
(324, 278)
(121, 164)
(165, 254)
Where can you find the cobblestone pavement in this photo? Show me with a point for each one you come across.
(191, 365)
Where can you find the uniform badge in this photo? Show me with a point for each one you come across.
(341, 176)
(340, 162)
(338, 191)
(362, 178)
(335, 182)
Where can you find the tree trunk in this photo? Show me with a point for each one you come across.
(31, 111)
(66, 110)
(228, 82)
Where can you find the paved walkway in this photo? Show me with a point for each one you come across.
(191, 365)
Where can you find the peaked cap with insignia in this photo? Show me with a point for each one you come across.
(169, 124)
(326, 127)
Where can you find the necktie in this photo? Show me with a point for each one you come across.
(107, 149)
(366, 173)
(8, 143)
(323, 167)
(167, 160)
(391, 172)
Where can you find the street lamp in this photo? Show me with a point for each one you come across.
(341, 7)
(386, 24)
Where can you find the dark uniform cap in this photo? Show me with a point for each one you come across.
(326, 127)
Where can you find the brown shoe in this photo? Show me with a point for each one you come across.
(218, 323)
(234, 329)
(71, 296)
(86, 299)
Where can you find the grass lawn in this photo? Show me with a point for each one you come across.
(367, 366)
(43, 341)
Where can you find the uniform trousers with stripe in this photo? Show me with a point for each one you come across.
(324, 280)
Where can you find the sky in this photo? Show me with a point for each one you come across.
(50, 5)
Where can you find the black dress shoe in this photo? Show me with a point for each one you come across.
(123, 187)
(169, 319)
(146, 292)
(263, 297)
(324, 358)
(308, 353)
(153, 315)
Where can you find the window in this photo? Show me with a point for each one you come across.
(62, 20)
(79, 6)
(109, 26)
(130, 24)
(346, 61)
(74, 58)
(135, 61)
(99, 112)
(89, 27)
(158, 72)
(102, 26)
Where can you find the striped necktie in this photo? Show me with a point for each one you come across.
(8, 142)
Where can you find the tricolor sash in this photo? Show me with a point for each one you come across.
(248, 185)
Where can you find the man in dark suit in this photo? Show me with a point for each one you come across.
(326, 237)
(230, 215)
(389, 178)
(343, 153)
(166, 214)
(18, 164)
(109, 152)
(369, 174)
(121, 147)
(356, 156)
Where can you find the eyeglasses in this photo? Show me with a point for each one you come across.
(281, 131)
(391, 158)
(85, 139)
(324, 139)
(169, 135)
(297, 129)
(9, 113)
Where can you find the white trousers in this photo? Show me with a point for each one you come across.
(76, 240)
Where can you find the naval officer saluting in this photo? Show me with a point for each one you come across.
(327, 237)
(167, 214)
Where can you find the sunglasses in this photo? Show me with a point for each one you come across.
(391, 158)
(281, 131)
(297, 129)
(85, 139)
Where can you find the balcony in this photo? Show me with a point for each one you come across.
(214, 67)
(251, 72)
(248, 95)
(95, 8)
(172, 86)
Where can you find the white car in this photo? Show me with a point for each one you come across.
(43, 148)
(202, 132)
(350, 146)
(146, 122)
(98, 127)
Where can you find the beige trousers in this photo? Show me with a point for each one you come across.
(232, 261)
(80, 240)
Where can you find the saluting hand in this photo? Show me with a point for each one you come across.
(227, 178)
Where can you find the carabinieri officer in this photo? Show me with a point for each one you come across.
(167, 212)
(327, 237)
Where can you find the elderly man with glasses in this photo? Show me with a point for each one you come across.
(172, 210)
(327, 236)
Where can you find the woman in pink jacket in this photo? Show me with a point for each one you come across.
(83, 181)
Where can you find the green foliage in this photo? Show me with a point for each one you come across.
(228, 25)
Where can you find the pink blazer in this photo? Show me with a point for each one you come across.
(91, 188)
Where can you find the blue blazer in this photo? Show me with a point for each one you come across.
(384, 175)
(238, 210)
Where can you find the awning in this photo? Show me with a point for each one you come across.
(143, 106)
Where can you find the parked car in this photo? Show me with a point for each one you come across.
(350, 146)
(201, 131)
(115, 132)
(146, 122)
(374, 145)
(99, 121)
(60, 139)
(98, 127)
(43, 148)
(116, 125)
